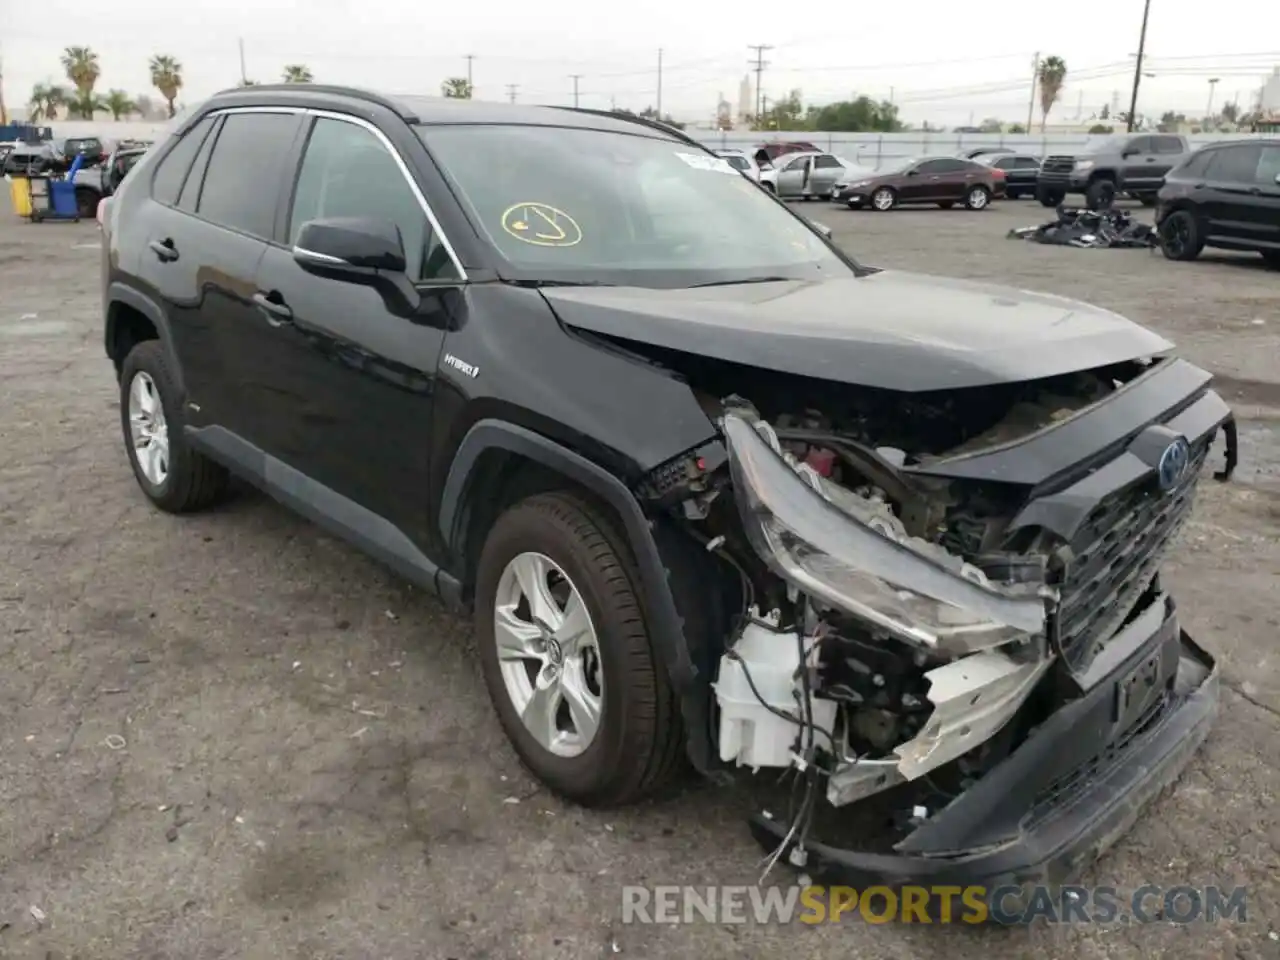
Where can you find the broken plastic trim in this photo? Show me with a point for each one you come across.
(830, 555)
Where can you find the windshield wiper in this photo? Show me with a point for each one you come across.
(734, 283)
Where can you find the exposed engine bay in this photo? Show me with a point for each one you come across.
(894, 623)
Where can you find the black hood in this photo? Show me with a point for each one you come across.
(892, 330)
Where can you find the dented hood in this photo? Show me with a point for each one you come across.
(898, 331)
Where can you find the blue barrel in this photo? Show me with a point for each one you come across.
(62, 197)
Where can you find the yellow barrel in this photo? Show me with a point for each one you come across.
(20, 195)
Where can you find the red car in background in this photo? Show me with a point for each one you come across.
(766, 153)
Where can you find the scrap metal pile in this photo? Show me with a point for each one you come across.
(1077, 227)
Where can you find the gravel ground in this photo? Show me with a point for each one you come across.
(230, 736)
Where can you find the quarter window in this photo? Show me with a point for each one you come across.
(172, 170)
(240, 189)
(348, 172)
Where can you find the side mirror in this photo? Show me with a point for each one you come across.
(913, 173)
(359, 250)
(1278, 178)
(1128, 152)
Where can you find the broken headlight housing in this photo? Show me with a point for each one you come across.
(899, 586)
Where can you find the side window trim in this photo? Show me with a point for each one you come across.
(199, 164)
(437, 230)
(159, 164)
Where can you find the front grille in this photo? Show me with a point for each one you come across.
(1058, 164)
(1116, 553)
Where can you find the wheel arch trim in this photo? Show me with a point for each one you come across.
(665, 623)
(119, 293)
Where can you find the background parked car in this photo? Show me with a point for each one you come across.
(1021, 172)
(1128, 163)
(944, 181)
(770, 152)
(984, 152)
(744, 163)
(809, 176)
(1225, 196)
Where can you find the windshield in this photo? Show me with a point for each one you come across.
(737, 162)
(590, 206)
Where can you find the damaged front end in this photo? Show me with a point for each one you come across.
(1011, 677)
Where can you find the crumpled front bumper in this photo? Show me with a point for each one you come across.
(1072, 789)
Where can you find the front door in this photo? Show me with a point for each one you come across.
(1140, 167)
(826, 171)
(353, 382)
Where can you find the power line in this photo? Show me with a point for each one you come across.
(758, 65)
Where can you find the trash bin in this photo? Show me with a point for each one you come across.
(62, 198)
(20, 195)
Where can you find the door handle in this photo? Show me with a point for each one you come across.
(164, 250)
(276, 310)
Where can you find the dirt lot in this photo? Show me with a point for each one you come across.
(230, 736)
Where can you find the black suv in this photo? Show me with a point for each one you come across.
(710, 487)
(1226, 196)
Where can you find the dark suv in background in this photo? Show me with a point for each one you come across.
(1128, 163)
(1226, 196)
(709, 487)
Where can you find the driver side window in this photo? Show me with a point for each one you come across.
(796, 164)
(348, 172)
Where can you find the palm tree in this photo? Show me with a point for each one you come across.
(166, 76)
(119, 103)
(458, 88)
(298, 73)
(85, 105)
(46, 100)
(1052, 74)
(82, 69)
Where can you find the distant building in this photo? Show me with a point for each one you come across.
(746, 101)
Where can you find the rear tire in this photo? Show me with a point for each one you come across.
(175, 477)
(1180, 236)
(637, 738)
(978, 198)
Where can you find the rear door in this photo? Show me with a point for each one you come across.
(1166, 151)
(208, 250)
(1231, 193)
(1264, 207)
(1139, 167)
(791, 175)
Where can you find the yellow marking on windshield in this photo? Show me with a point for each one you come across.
(541, 225)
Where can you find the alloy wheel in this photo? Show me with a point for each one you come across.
(1176, 235)
(883, 199)
(549, 654)
(977, 199)
(148, 429)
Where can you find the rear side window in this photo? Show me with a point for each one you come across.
(1236, 164)
(1198, 165)
(240, 189)
(1005, 163)
(1028, 163)
(171, 172)
(1138, 145)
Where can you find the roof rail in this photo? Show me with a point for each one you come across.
(645, 121)
(330, 89)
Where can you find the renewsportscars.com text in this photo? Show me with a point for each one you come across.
(938, 904)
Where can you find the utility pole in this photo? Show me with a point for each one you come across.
(1035, 79)
(511, 91)
(764, 108)
(244, 77)
(758, 64)
(659, 83)
(575, 77)
(469, 57)
(1208, 111)
(4, 113)
(1137, 67)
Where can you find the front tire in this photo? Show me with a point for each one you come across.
(1050, 198)
(176, 478)
(566, 654)
(1100, 195)
(884, 199)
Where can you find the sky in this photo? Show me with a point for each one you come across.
(939, 61)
